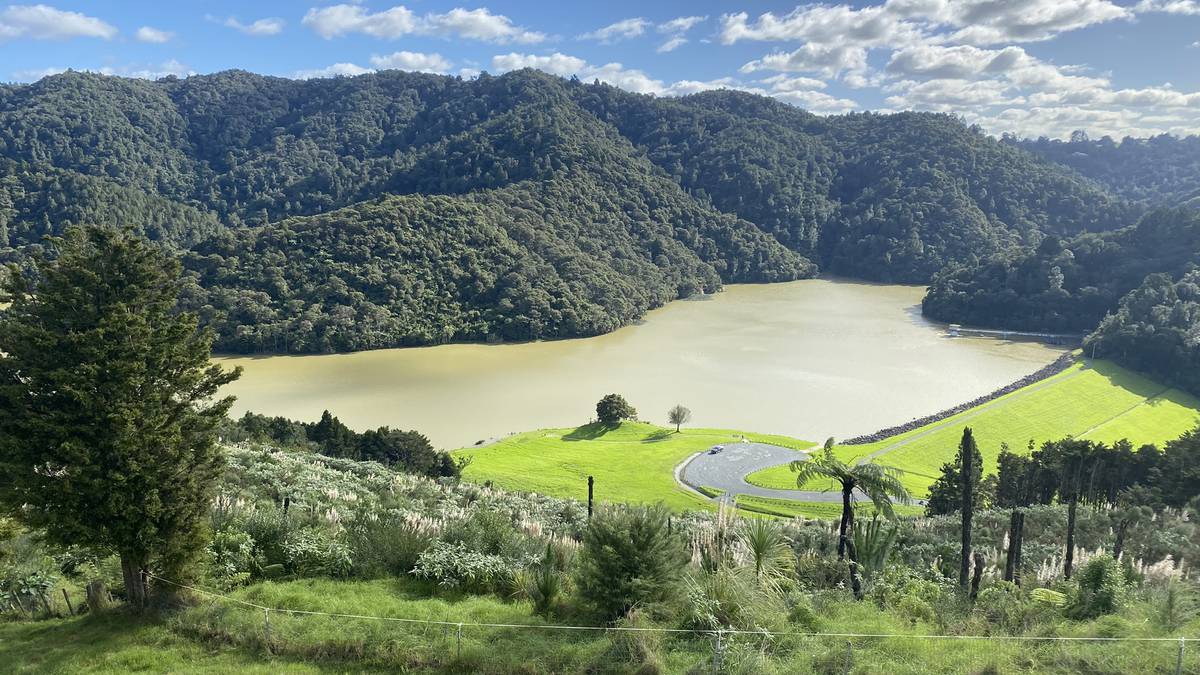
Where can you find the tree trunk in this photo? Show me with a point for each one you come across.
(968, 507)
(847, 522)
(977, 576)
(1020, 545)
(1069, 559)
(132, 568)
(856, 584)
(1119, 544)
(1010, 562)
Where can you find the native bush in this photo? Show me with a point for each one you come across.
(388, 543)
(231, 558)
(457, 566)
(1100, 588)
(731, 597)
(629, 558)
(316, 553)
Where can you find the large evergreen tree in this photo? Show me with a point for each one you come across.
(107, 404)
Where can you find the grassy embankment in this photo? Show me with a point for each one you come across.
(223, 637)
(632, 463)
(1099, 401)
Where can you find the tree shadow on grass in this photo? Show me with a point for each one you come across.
(658, 435)
(590, 432)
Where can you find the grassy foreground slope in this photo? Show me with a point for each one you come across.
(1096, 400)
(221, 637)
(633, 462)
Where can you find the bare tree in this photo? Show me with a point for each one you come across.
(679, 416)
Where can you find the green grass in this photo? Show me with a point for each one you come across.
(1100, 401)
(632, 463)
(221, 637)
(787, 508)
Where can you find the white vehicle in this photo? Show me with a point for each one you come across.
(716, 449)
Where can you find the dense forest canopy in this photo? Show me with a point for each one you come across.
(1163, 170)
(403, 208)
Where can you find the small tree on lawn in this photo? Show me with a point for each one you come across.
(679, 416)
(613, 408)
(107, 417)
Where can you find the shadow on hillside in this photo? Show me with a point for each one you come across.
(590, 432)
(658, 435)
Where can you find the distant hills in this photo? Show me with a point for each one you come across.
(400, 208)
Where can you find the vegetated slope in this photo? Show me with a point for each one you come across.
(671, 195)
(1066, 284)
(1162, 170)
(1156, 330)
(884, 197)
(1099, 401)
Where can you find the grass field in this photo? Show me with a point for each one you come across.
(1099, 401)
(632, 463)
(787, 508)
(222, 637)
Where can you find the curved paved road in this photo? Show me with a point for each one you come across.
(728, 469)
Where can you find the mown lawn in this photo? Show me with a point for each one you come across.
(632, 463)
(787, 508)
(1099, 401)
(219, 637)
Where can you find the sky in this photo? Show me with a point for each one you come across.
(1028, 67)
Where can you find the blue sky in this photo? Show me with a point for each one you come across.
(1030, 67)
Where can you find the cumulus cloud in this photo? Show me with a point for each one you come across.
(825, 60)
(150, 34)
(334, 70)
(476, 24)
(258, 28)
(615, 32)
(425, 63)
(1184, 7)
(43, 22)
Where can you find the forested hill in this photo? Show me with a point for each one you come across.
(400, 208)
(1162, 170)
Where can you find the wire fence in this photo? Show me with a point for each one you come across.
(719, 650)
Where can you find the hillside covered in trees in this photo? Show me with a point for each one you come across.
(401, 208)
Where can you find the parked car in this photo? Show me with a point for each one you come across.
(715, 449)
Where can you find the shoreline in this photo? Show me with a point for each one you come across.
(1055, 367)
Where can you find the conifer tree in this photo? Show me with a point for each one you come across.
(107, 404)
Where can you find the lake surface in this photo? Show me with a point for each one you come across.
(811, 359)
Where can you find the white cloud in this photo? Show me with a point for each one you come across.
(36, 74)
(875, 26)
(425, 63)
(825, 60)
(680, 24)
(334, 70)
(477, 24)
(42, 22)
(1185, 7)
(259, 28)
(671, 44)
(988, 22)
(150, 34)
(150, 72)
(615, 32)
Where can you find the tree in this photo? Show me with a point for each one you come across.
(613, 408)
(969, 455)
(679, 416)
(881, 484)
(107, 410)
(945, 495)
(629, 557)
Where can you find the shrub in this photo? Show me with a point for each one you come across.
(313, 553)
(543, 582)
(1100, 588)
(457, 566)
(800, 612)
(1003, 604)
(633, 651)
(628, 558)
(729, 597)
(231, 558)
(269, 528)
(386, 545)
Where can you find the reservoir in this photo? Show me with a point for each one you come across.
(811, 359)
